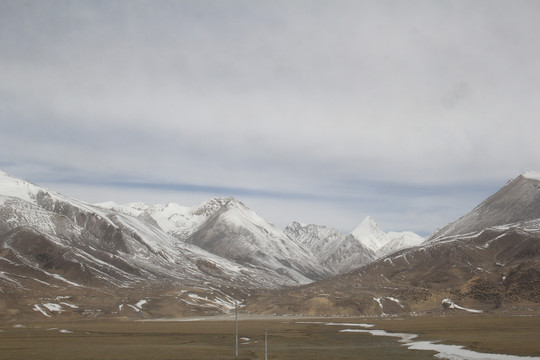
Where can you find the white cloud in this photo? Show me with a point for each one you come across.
(289, 97)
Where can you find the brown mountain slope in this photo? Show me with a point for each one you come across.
(494, 271)
(488, 259)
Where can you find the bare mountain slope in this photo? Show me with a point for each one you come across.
(493, 266)
(517, 201)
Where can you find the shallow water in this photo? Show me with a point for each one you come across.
(452, 352)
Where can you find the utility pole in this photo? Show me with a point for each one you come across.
(265, 344)
(236, 322)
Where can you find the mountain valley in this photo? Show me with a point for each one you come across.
(63, 258)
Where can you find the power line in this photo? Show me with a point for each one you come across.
(236, 321)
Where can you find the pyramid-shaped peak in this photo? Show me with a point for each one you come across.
(368, 225)
(368, 221)
(517, 201)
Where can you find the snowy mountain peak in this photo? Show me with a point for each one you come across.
(12, 186)
(531, 175)
(381, 243)
(346, 252)
(517, 201)
(295, 225)
(4, 174)
(368, 220)
(368, 228)
(314, 237)
(216, 204)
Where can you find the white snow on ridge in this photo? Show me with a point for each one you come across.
(141, 303)
(452, 305)
(53, 307)
(11, 186)
(156, 234)
(69, 305)
(378, 300)
(59, 277)
(172, 218)
(15, 188)
(224, 302)
(369, 233)
(38, 308)
(395, 300)
(533, 175)
(344, 252)
(383, 243)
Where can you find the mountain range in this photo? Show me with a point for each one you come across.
(486, 261)
(345, 252)
(61, 257)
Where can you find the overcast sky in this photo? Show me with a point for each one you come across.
(323, 112)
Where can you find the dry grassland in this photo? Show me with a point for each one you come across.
(288, 339)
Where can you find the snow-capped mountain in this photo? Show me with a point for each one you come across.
(338, 252)
(105, 257)
(236, 232)
(90, 235)
(314, 237)
(52, 244)
(383, 243)
(345, 252)
(517, 201)
(398, 241)
(229, 229)
(489, 260)
(369, 234)
(176, 220)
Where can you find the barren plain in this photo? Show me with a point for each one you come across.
(288, 338)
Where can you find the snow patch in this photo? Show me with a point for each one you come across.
(395, 300)
(38, 308)
(532, 175)
(141, 303)
(69, 305)
(134, 308)
(52, 307)
(452, 305)
(350, 324)
(378, 300)
(59, 277)
(369, 233)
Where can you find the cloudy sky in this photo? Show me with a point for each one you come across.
(317, 111)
